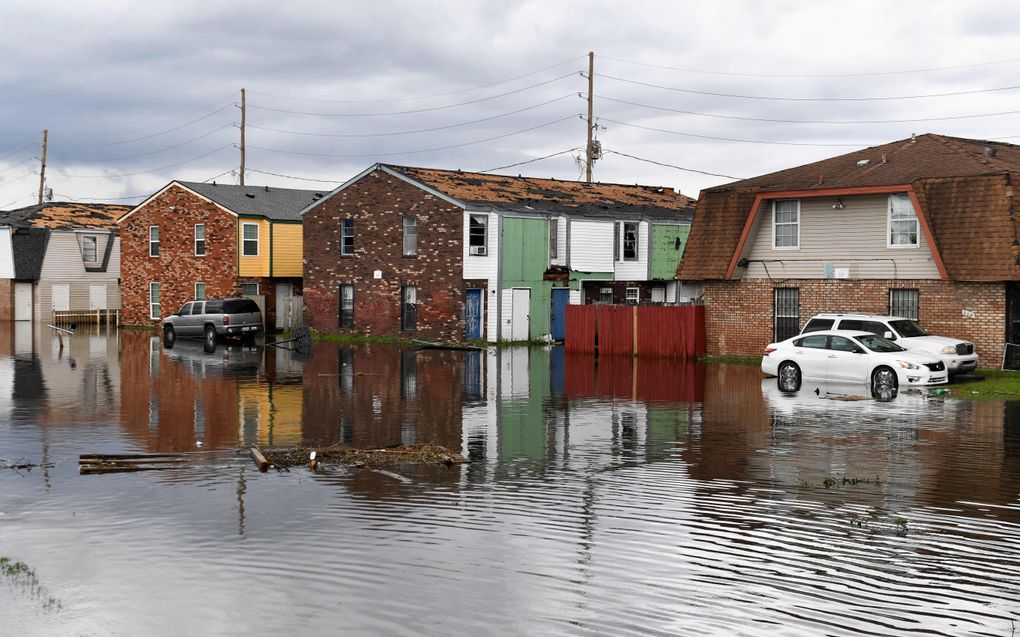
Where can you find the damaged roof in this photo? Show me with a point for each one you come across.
(553, 195)
(59, 215)
(29, 248)
(281, 204)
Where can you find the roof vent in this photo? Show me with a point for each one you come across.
(267, 188)
(249, 195)
(862, 163)
(989, 151)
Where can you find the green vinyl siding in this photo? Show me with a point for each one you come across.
(665, 255)
(524, 254)
(522, 423)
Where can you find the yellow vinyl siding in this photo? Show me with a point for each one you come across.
(253, 266)
(287, 249)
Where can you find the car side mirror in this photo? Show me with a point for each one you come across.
(858, 351)
(889, 335)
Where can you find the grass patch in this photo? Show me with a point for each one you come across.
(359, 339)
(997, 385)
(140, 328)
(737, 360)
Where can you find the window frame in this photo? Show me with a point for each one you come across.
(787, 331)
(483, 223)
(255, 283)
(905, 292)
(349, 322)
(153, 254)
(345, 225)
(408, 317)
(203, 240)
(94, 239)
(637, 295)
(413, 252)
(245, 240)
(889, 223)
(197, 297)
(155, 304)
(796, 223)
(623, 240)
(554, 237)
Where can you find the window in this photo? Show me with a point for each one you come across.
(616, 241)
(249, 289)
(154, 300)
(786, 224)
(89, 248)
(902, 222)
(478, 230)
(554, 228)
(346, 306)
(347, 236)
(197, 308)
(185, 310)
(817, 325)
(408, 308)
(250, 236)
(787, 313)
(814, 342)
(905, 303)
(410, 236)
(606, 296)
(199, 291)
(841, 344)
(633, 295)
(200, 239)
(153, 241)
(630, 241)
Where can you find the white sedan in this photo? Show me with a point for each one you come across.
(850, 356)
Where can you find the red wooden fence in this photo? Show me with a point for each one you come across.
(647, 379)
(664, 331)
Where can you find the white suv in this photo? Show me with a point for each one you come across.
(959, 356)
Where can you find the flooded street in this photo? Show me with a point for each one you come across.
(648, 497)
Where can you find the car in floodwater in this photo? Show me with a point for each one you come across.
(213, 319)
(853, 357)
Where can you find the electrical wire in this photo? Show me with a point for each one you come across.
(808, 99)
(17, 150)
(160, 150)
(418, 110)
(420, 97)
(7, 182)
(731, 139)
(176, 119)
(810, 75)
(412, 132)
(659, 163)
(169, 130)
(421, 150)
(266, 172)
(23, 161)
(125, 198)
(225, 172)
(145, 172)
(14, 201)
(806, 121)
(529, 161)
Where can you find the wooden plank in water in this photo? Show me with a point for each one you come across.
(260, 460)
(127, 456)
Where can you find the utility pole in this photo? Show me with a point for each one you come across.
(589, 150)
(242, 135)
(42, 169)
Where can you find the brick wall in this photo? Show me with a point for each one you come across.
(176, 211)
(739, 314)
(377, 204)
(6, 299)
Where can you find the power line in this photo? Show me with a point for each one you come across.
(7, 182)
(420, 97)
(729, 139)
(659, 163)
(810, 75)
(422, 150)
(160, 150)
(17, 150)
(146, 172)
(530, 161)
(806, 121)
(808, 99)
(419, 110)
(411, 132)
(176, 119)
(23, 161)
(125, 198)
(266, 172)
(225, 172)
(169, 130)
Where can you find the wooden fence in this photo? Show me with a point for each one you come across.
(647, 330)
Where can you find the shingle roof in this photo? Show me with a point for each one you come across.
(282, 204)
(29, 248)
(554, 195)
(65, 215)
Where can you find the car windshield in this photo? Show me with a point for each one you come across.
(907, 328)
(879, 344)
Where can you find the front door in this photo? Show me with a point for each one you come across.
(22, 301)
(560, 297)
(61, 297)
(520, 327)
(473, 315)
(284, 292)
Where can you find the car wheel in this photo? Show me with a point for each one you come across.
(884, 383)
(169, 337)
(789, 377)
(210, 338)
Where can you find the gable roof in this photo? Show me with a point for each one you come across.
(29, 248)
(278, 204)
(58, 215)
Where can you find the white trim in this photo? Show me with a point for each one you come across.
(386, 169)
(774, 246)
(258, 239)
(637, 295)
(255, 283)
(164, 189)
(195, 295)
(85, 238)
(157, 241)
(160, 304)
(205, 240)
(888, 224)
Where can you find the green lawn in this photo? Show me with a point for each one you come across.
(997, 385)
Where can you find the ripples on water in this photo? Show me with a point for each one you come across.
(618, 498)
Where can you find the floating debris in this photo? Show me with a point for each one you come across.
(341, 455)
(89, 463)
(23, 464)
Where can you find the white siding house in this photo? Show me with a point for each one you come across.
(6, 254)
(80, 272)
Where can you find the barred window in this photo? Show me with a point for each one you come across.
(409, 308)
(904, 302)
(787, 313)
(346, 306)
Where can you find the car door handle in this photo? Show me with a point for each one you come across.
(832, 356)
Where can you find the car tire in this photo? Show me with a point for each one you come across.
(169, 337)
(884, 383)
(788, 377)
(209, 340)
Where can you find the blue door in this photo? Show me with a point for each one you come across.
(560, 297)
(473, 315)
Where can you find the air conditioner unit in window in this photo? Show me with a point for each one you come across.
(477, 251)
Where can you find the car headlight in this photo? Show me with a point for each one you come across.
(949, 349)
(908, 365)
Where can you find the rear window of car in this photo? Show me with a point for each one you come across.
(817, 325)
(240, 306)
(814, 342)
(214, 307)
(856, 325)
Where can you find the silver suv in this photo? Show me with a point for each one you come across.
(212, 319)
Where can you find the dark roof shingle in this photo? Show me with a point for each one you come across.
(280, 204)
(29, 248)
(59, 215)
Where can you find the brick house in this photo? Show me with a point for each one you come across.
(922, 227)
(196, 240)
(449, 255)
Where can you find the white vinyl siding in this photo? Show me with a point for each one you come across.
(484, 267)
(561, 241)
(591, 246)
(853, 238)
(6, 254)
(63, 264)
(627, 269)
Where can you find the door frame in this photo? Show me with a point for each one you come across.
(481, 313)
(561, 292)
(513, 315)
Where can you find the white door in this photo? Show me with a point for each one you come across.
(22, 301)
(521, 314)
(97, 296)
(61, 297)
(284, 292)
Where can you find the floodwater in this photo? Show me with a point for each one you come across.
(621, 498)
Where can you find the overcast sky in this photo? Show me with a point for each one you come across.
(137, 94)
